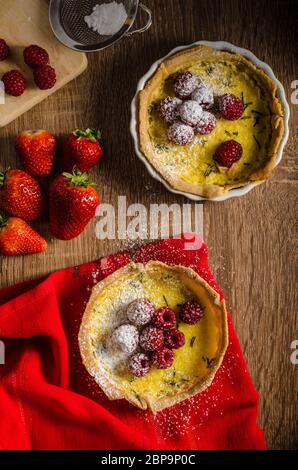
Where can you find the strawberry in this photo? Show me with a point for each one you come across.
(21, 195)
(73, 202)
(81, 149)
(36, 150)
(18, 238)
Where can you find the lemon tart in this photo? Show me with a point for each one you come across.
(210, 121)
(153, 334)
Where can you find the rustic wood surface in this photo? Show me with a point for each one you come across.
(252, 240)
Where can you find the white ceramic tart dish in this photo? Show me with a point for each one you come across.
(262, 129)
(194, 364)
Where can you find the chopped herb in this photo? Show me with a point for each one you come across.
(209, 362)
(245, 117)
(228, 133)
(242, 97)
(210, 69)
(212, 168)
(258, 112)
(172, 383)
(257, 142)
(192, 341)
(247, 164)
(257, 121)
(247, 104)
(165, 299)
(235, 133)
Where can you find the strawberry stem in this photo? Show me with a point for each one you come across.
(2, 178)
(92, 134)
(3, 221)
(77, 178)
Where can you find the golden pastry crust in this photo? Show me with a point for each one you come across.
(180, 61)
(117, 388)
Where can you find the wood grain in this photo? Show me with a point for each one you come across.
(252, 240)
(14, 28)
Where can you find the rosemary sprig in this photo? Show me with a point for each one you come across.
(258, 112)
(257, 142)
(165, 299)
(245, 117)
(192, 341)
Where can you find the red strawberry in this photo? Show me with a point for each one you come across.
(18, 238)
(228, 153)
(81, 150)
(73, 202)
(4, 50)
(35, 56)
(36, 150)
(14, 83)
(21, 195)
(45, 77)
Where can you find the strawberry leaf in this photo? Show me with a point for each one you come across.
(92, 134)
(77, 178)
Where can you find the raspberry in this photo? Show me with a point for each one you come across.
(191, 312)
(180, 133)
(140, 312)
(174, 339)
(204, 96)
(190, 112)
(168, 109)
(184, 84)
(230, 106)
(139, 365)
(151, 338)
(45, 77)
(125, 338)
(14, 83)
(165, 318)
(163, 358)
(35, 56)
(228, 153)
(4, 50)
(206, 123)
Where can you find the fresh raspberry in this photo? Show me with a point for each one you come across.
(180, 134)
(163, 358)
(184, 84)
(14, 83)
(190, 112)
(151, 338)
(165, 318)
(228, 153)
(139, 365)
(45, 77)
(206, 123)
(204, 96)
(4, 50)
(230, 106)
(168, 109)
(174, 339)
(125, 338)
(140, 312)
(35, 56)
(191, 312)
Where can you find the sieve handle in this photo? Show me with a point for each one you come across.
(147, 25)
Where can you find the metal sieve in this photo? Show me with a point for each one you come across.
(68, 24)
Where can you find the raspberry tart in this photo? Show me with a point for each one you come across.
(197, 100)
(147, 331)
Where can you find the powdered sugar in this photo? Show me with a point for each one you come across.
(190, 112)
(204, 96)
(180, 134)
(125, 338)
(107, 19)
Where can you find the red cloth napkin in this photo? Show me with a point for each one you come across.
(48, 401)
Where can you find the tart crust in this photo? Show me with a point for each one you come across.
(114, 386)
(180, 61)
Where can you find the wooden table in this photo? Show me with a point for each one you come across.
(251, 239)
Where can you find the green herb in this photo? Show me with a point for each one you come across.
(247, 104)
(258, 112)
(257, 142)
(228, 133)
(247, 164)
(192, 341)
(235, 133)
(209, 362)
(257, 121)
(242, 97)
(210, 69)
(165, 299)
(212, 168)
(245, 117)
(161, 148)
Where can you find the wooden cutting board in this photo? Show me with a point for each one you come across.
(25, 22)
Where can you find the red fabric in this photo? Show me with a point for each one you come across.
(48, 401)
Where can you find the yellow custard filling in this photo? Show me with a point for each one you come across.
(203, 340)
(194, 163)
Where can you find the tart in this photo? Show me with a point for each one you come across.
(189, 163)
(195, 346)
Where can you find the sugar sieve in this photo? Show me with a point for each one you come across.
(67, 18)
